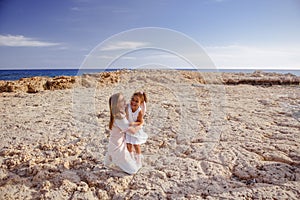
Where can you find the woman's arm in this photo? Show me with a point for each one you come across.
(124, 126)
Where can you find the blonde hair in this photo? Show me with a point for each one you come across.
(141, 95)
(113, 108)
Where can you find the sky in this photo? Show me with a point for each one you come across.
(227, 34)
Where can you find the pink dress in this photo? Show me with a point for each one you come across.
(117, 152)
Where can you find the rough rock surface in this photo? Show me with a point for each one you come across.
(206, 141)
(38, 84)
(260, 78)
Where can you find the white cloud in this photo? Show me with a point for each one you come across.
(75, 9)
(161, 56)
(216, 1)
(123, 45)
(220, 1)
(129, 58)
(106, 57)
(22, 41)
(238, 56)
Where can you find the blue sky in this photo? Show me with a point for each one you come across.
(233, 33)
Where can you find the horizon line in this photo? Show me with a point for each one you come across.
(124, 68)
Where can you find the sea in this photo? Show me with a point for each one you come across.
(10, 75)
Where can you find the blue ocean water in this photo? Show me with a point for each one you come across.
(17, 74)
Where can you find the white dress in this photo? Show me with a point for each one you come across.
(117, 152)
(139, 137)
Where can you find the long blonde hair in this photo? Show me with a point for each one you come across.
(113, 108)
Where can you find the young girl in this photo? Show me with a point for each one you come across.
(135, 112)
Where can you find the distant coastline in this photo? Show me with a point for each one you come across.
(16, 74)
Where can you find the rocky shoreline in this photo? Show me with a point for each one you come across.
(37, 84)
(261, 78)
(207, 140)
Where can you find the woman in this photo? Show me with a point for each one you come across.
(117, 152)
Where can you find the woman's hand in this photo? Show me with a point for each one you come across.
(132, 124)
(132, 130)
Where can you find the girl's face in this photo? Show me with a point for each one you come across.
(135, 102)
(121, 103)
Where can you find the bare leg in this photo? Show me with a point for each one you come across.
(137, 148)
(129, 147)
